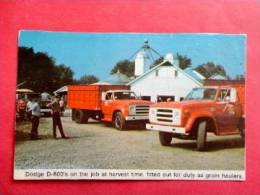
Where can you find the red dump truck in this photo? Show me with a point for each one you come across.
(109, 103)
(217, 108)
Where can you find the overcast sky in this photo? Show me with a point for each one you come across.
(97, 53)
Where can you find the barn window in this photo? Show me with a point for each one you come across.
(156, 73)
(176, 73)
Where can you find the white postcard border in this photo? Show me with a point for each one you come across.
(123, 174)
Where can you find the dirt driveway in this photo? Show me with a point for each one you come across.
(96, 145)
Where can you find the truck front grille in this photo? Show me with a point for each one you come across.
(142, 109)
(164, 115)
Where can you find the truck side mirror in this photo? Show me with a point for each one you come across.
(233, 95)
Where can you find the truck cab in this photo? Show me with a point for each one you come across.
(215, 109)
(121, 106)
(108, 103)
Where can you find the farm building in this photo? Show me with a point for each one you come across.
(164, 81)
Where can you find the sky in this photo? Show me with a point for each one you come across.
(97, 53)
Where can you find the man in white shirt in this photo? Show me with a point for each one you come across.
(28, 109)
(36, 113)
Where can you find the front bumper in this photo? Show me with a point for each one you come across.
(135, 118)
(169, 129)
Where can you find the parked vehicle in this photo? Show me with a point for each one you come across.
(109, 103)
(45, 99)
(218, 109)
(22, 97)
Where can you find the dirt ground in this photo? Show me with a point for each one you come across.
(99, 146)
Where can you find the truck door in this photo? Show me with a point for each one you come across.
(228, 111)
(106, 106)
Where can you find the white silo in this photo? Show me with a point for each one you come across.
(144, 58)
(142, 62)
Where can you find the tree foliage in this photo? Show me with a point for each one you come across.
(210, 69)
(87, 79)
(39, 72)
(184, 61)
(126, 67)
(157, 61)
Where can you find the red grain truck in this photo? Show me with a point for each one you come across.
(109, 103)
(216, 108)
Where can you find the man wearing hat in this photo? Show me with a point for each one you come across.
(56, 116)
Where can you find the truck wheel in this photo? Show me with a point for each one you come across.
(79, 116)
(165, 138)
(201, 136)
(119, 121)
(86, 117)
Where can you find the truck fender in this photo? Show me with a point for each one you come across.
(123, 110)
(200, 115)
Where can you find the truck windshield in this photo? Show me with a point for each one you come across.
(124, 95)
(202, 94)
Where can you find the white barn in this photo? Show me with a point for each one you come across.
(165, 80)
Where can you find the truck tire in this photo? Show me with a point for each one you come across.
(119, 121)
(80, 116)
(201, 136)
(165, 138)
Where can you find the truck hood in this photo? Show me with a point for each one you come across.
(130, 102)
(184, 104)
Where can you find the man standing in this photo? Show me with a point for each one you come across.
(56, 116)
(36, 113)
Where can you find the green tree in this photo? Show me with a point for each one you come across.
(184, 61)
(64, 74)
(87, 79)
(209, 69)
(125, 67)
(39, 72)
(157, 61)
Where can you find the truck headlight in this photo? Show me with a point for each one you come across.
(152, 114)
(131, 109)
(176, 116)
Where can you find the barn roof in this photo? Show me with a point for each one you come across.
(166, 63)
(193, 73)
(117, 79)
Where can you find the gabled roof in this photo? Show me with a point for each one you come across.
(194, 74)
(167, 63)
